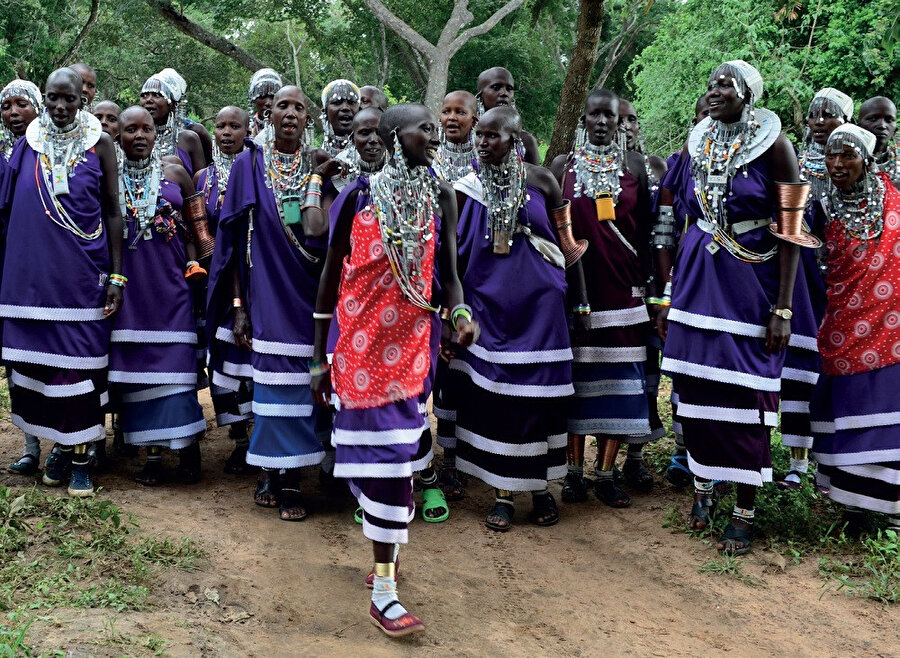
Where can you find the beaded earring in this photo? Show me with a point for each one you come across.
(479, 105)
(399, 158)
(580, 134)
(309, 134)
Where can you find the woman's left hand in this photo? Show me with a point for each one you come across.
(465, 332)
(113, 300)
(332, 167)
(778, 333)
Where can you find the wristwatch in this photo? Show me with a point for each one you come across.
(783, 313)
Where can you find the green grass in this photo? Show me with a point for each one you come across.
(76, 553)
(732, 567)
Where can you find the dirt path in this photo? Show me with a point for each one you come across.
(602, 582)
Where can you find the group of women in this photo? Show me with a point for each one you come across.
(327, 293)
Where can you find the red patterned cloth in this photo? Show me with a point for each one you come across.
(382, 353)
(861, 329)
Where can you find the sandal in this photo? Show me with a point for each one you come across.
(500, 518)
(292, 507)
(574, 490)
(266, 494)
(403, 625)
(450, 484)
(636, 475)
(787, 485)
(152, 474)
(236, 464)
(735, 541)
(24, 465)
(189, 469)
(610, 494)
(433, 501)
(358, 515)
(677, 473)
(545, 512)
(703, 512)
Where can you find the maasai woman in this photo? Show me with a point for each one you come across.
(263, 85)
(60, 200)
(386, 296)
(511, 411)
(152, 367)
(88, 83)
(107, 114)
(454, 160)
(232, 373)
(162, 99)
(878, 115)
(655, 167)
(268, 237)
(855, 407)
(496, 88)
(665, 236)
(829, 109)
(732, 287)
(20, 104)
(340, 103)
(607, 189)
(366, 144)
(370, 96)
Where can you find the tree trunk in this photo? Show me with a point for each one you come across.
(199, 33)
(575, 86)
(437, 83)
(82, 35)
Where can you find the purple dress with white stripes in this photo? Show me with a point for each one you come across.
(55, 339)
(152, 360)
(511, 416)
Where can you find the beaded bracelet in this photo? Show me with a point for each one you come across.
(667, 291)
(665, 300)
(582, 309)
(322, 316)
(118, 280)
(317, 367)
(460, 311)
(237, 302)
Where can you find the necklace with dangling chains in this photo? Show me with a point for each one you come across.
(403, 201)
(222, 164)
(454, 161)
(812, 169)
(334, 144)
(597, 170)
(860, 210)
(166, 138)
(138, 193)
(505, 193)
(889, 163)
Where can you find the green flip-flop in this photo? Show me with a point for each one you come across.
(433, 499)
(358, 515)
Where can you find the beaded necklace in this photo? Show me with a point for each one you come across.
(860, 210)
(166, 138)
(505, 194)
(356, 167)
(220, 171)
(334, 144)
(138, 193)
(889, 163)
(287, 175)
(403, 200)
(812, 169)
(453, 161)
(7, 141)
(597, 170)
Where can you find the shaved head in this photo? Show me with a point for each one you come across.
(67, 74)
(602, 94)
(463, 97)
(876, 102)
(504, 118)
(366, 114)
(370, 96)
(290, 89)
(396, 116)
(133, 112)
(487, 75)
(108, 106)
(239, 111)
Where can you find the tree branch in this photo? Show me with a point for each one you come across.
(199, 33)
(92, 18)
(399, 27)
(485, 27)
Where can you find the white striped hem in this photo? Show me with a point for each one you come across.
(726, 474)
(155, 393)
(277, 348)
(537, 356)
(808, 343)
(421, 463)
(290, 461)
(534, 449)
(856, 458)
(517, 390)
(282, 410)
(225, 382)
(637, 427)
(874, 472)
(51, 313)
(344, 470)
(609, 354)
(378, 438)
(865, 421)
(891, 507)
(444, 414)
(797, 441)
(104, 398)
(225, 335)
(712, 323)
(555, 441)
(123, 377)
(447, 441)
(11, 354)
(498, 482)
(797, 375)
(557, 472)
(678, 367)
(386, 512)
(168, 433)
(226, 418)
(727, 414)
(147, 336)
(794, 407)
(821, 426)
(385, 535)
(242, 370)
(623, 317)
(93, 433)
(51, 390)
(604, 387)
(171, 444)
(280, 378)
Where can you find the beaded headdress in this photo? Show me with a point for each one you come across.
(264, 82)
(745, 75)
(837, 101)
(340, 89)
(851, 135)
(18, 89)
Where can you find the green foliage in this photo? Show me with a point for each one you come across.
(874, 575)
(732, 567)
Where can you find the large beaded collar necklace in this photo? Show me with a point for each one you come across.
(860, 209)
(356, 167)
(138, 193)
(403, 200)
(453, 161)
(597, 170)
(505, 193)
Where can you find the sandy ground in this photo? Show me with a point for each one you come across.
(601, 582)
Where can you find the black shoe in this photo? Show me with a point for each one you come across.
(57, 466)
(574, 490)
(81, 485)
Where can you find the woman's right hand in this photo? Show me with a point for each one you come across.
(321, 389)
(662, 322)
(242, 331)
